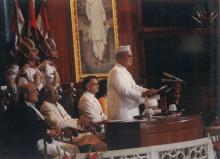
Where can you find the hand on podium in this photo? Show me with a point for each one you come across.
(149, 93)
(162, 89)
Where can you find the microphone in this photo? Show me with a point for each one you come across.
(168, 90)
(176, 79)
(169, 80)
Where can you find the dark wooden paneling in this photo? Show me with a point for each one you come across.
(127, 29)
(59, 17)
(60, 23)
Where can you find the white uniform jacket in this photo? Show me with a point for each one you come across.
(51, 76)
(28, 74)
(123, 94)
(90, 107)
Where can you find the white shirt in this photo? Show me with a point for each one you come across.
(90, 106)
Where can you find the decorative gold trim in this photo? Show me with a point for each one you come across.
(76, 41)
(75, 36)
(115, 19)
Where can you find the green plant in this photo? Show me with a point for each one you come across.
(203, 15)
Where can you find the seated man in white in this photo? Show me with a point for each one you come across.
(56, 115)
(88, 104)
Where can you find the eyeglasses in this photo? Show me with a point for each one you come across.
(95, 83)
(129, 56)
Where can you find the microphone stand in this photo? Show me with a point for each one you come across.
(165, 93)
(176, 83)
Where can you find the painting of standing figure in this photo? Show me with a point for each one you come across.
(95, 36)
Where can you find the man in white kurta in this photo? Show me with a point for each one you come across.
(123, 95)
(88, 104)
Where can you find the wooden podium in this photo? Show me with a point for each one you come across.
(137, 133)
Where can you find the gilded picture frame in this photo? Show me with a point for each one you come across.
(94, 36)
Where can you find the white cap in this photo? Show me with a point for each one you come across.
(123, 48)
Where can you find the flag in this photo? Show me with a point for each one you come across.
(42, 20)
(17, 21)
(32, 26)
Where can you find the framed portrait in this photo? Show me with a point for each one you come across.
(95, 36)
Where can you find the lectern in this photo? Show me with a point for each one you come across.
(168, 129)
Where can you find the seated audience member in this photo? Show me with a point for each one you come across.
(101, 95)
(49, 54)
(88, 103)
(56, 115)
(32, 130)
(29, 72)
